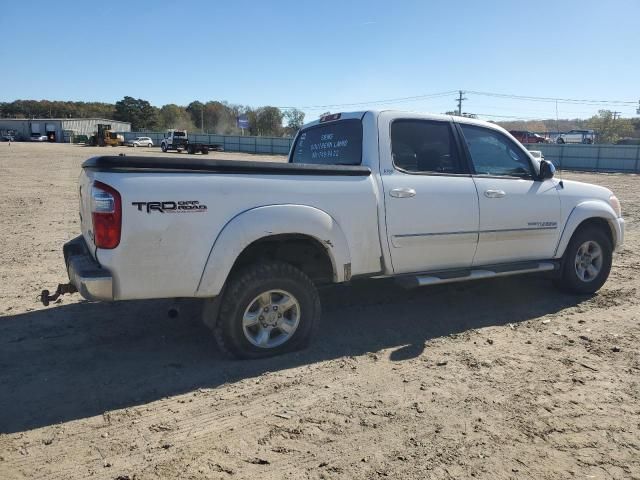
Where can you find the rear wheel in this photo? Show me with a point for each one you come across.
(587, 261)
(267, 309)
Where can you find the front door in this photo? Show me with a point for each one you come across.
(519, 214)
(430, 199)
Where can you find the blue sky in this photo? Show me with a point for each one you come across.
(311, 54)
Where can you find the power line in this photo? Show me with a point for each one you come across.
(460, 99)
(374, 102)
(553, 99)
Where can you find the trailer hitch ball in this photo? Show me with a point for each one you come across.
(63, 288)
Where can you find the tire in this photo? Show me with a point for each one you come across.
(148, 145)
(571, 278)
(163, 147)
(259, 288)
(204, 151)
(560, 141)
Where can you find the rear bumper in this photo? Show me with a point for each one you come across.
(92, 281)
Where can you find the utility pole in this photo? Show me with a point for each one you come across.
(202, 119)
(460, 99)
(616, 115)
(638, 109)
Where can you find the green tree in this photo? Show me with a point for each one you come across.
(267, 121)
(196, 110)
(140, 113)
(295, 120)
(609, 130)
(175, 116)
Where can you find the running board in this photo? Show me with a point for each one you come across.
(489, 271)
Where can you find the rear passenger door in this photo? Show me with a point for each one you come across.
(519, 213)
(430, 199)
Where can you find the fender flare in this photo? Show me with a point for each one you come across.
(584, 211)
(266, 221)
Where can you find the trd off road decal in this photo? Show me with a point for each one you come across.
(182, 206)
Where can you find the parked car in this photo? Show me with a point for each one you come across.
(140, 142)
(577, 136)
(39, 138)
(423, 199)
(8, 138)
(537, 155)
(524, 136)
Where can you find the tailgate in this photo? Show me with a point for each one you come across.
(86, 222)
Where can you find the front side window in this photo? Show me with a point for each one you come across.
(335, 143)
(494, 154)
(424, 146)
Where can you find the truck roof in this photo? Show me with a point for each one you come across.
(408, 114)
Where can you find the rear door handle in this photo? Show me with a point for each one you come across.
(403, 192)
(494, 193)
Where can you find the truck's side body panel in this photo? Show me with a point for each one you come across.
(578, 204)
(437, 225)
(257, 223)
(164, 253)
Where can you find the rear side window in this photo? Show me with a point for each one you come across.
(424, 146)
(336, 143)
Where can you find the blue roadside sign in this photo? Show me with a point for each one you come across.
(243, 121)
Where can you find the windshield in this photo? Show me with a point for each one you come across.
(335, 143)
(178, 134)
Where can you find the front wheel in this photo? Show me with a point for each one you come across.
(587, 261)
(163, 147)
(267, 309)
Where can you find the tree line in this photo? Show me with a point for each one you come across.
(211, 117)
(608, 128)
(221, 117)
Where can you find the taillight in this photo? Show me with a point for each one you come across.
(106, 212)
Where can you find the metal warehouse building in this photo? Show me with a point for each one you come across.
(58, 129)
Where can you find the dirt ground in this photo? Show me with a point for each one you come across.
(503, 379)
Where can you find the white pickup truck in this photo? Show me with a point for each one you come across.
(426, 199)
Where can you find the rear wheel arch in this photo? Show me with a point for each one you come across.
(304, 252)
(263, 232)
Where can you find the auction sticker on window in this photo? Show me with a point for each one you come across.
(337, 143)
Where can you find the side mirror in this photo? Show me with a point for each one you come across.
(547, 169)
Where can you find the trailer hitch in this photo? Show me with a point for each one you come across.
(63, 288)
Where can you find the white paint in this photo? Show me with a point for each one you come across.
(447, 223)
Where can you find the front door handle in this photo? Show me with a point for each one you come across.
(403, 192)
(494, 193)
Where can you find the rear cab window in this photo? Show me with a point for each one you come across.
(334, 143)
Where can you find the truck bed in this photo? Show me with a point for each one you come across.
(121, 164)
